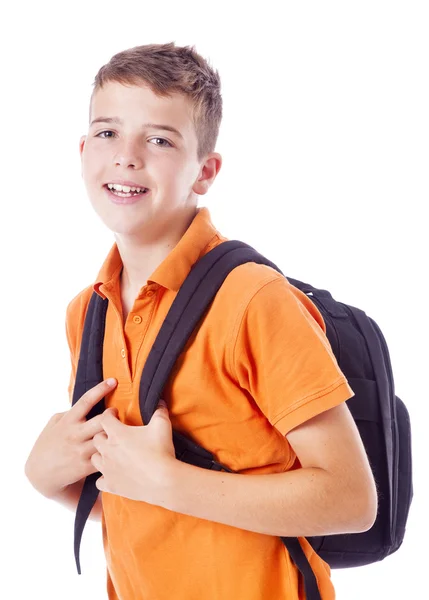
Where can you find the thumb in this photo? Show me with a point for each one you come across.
(113, 410)
(110, 422)
(162, 410)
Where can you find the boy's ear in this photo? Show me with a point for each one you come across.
(82, 143)
(208, 173)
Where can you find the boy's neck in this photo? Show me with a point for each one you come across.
(140, 258)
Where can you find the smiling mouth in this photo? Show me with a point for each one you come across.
(125, 194)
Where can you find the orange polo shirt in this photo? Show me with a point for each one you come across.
(257, 366)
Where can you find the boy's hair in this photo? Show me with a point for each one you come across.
(165, 69)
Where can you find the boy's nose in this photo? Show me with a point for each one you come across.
(129, 155)
(129, 160)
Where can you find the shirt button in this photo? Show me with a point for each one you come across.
(137, 319)
(123, 352)
(150, 293)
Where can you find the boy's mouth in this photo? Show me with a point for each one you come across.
(120, 197)
(123, 191)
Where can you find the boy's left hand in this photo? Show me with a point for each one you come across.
(134, 461)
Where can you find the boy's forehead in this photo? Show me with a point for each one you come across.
(138, 102)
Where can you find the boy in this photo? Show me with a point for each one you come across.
(257, 384)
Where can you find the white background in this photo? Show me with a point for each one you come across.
(325, 148)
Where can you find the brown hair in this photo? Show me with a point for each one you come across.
(167, 68)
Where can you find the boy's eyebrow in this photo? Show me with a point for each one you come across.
(146, 125)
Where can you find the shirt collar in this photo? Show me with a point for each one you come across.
(200, 237)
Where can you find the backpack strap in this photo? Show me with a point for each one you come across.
(89, 373)
(193, 298)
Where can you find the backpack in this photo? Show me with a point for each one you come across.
(361, 352)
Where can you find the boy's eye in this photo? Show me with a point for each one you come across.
(101, 134)
(165, 143)
(162, 140)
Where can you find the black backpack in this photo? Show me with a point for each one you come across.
(362, 354)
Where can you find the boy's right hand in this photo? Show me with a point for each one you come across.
(62, 453)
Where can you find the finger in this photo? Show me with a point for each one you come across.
(110, 423)
(100, 484)
(93, 426)
(56, 417)
(87, 450)
(97, 461)
(99, 441)
(91, 397)
(162, 410)
(113, 410)
(161, 414)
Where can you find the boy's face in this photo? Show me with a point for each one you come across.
(135, 149)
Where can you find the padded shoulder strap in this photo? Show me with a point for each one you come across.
(90, 367)
(193, 298)
(89, 373)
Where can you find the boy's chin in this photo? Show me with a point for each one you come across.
(123, 230)
(137, 232)
(121, 224)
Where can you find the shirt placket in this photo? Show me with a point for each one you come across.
(136, 326)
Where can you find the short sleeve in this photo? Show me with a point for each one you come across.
(75, 316)
(73, 358)
(283, 358)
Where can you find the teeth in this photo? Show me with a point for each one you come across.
(124, 188)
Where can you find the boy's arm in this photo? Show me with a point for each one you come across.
(69, 498)
(280, 355)
(334, 491)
